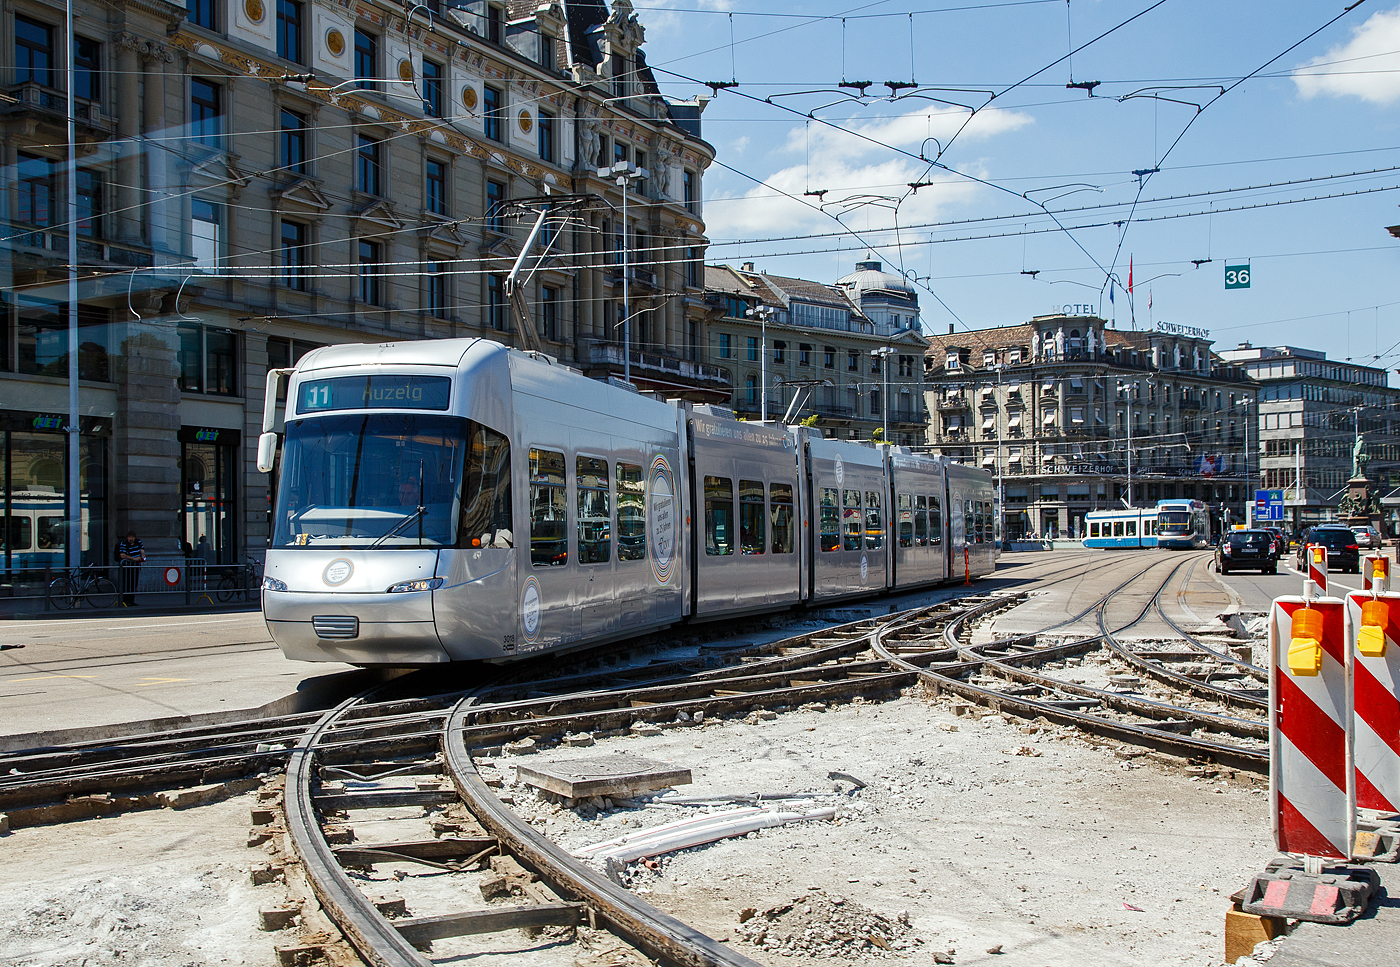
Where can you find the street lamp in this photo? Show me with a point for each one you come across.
(1248, 487)
(884, 354)
(1128, 396)
(625, 172)
(762, 314)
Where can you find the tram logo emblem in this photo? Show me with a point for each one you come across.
(337, 572)
(530, 610)
(661, 521)
(864, 568)
(840, 470)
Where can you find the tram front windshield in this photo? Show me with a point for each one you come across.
(1173, 522)
(371, 480)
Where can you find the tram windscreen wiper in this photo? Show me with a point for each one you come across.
(398, 528)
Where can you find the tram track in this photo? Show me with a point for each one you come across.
(1019, 676)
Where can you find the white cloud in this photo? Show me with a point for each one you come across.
(740, 144)
(1367, 66)
(862, 177)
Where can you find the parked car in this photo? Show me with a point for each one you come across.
(1368, 537)
(1254, 549)
(1343, 554)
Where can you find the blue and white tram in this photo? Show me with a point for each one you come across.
(1132, 527)
(1183, 524)
(458, 500)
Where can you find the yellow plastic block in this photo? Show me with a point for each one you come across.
(1370, 638)
(1305, 648)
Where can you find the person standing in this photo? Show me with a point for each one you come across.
(130, 556)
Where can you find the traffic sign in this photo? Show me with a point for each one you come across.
(1268, 505)
(1237, 276)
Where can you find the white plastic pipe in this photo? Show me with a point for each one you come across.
(696, 832)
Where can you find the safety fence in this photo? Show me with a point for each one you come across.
(158, 581)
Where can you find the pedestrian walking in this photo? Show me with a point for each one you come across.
(130, 556)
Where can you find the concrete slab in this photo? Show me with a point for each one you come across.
(1368, 941)
(623, 776)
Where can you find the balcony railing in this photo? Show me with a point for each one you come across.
(32, 97)
(953, 404)
(610, 355)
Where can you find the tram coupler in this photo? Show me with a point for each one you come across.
(1297, 889)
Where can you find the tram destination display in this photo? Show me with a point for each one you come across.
(377, 392)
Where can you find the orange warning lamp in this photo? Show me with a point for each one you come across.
(1319, 554)
(1370, 639)
(1305, 648)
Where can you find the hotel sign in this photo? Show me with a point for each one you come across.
(1172, 329)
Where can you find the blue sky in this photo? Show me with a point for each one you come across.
(1323, 272)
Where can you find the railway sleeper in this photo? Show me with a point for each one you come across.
(421, 931)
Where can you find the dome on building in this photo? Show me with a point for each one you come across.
(869, 280)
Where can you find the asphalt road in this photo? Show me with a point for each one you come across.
(81, 672)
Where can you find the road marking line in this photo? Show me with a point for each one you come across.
(162, 681)
(13, 681)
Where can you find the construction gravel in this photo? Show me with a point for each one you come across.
(975, 840)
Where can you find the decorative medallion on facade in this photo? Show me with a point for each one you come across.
(469, 98)
(335, 42)
(525, 122)
(406, 70)
(254, 9)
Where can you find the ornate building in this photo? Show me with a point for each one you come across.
(855, 345)
(1065, 410)
(258, 177)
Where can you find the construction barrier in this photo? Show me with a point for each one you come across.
(1310, 726)
(1373, 624)
(1317, 567)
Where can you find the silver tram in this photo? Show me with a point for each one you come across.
(458, 500)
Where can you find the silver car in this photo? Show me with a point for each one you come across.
(1367, 537)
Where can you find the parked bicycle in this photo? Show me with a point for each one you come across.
(89, 583)
(243, 583)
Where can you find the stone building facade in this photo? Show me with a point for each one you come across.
(1311, 412)
(856, 343)
(1052, 405)
(259, 177)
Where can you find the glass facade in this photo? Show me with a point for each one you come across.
(35, 493)
(209, 461)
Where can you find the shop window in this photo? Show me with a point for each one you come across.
(631, 513)
(752, 539)
(780, 512)
(719, 516)
(208, 359)
(594, 511)
(209, 461)
(549, 542)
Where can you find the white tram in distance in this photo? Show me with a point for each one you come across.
(1183, 524)
(1130, 527)
(457, 500)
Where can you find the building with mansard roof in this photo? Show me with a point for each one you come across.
(860, 361)
(255, 179)
(1065, 410)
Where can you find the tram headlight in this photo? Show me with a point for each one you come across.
(420, 584)
(272, 584)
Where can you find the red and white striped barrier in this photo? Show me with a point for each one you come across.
(1317, 568)
(1373, 633)
(1310, 727)
(1375, 570)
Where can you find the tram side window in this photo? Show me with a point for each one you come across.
(935, 521)
(594, 511)
(751, 517)
(1093, 528)
(19, 533)
(969, 523)
(831, 519)
(52, 533)
(906, 520)
(852, 517)
(631, 513)
(874, 520)
(1117, 528)
(719, 516)
(920, 521)
(1130, 528)
(549, 504)
(780, 512)
(486, 494)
